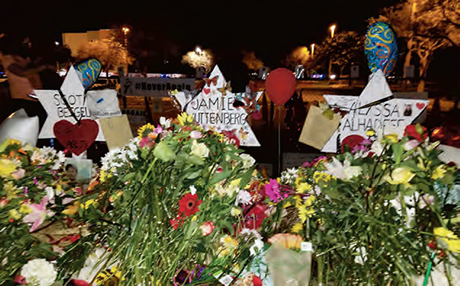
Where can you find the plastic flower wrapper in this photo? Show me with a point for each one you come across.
(166, 199)
(287, 264)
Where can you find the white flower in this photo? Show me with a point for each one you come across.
(38, 157)
(49, 192)
(377, 148)
(243, 197)
(256, 247)
(59, 160)
(229, 190)
(89, 270)
(166, 123)
(345, 171)
(362, 256)
(199, 149)
(248, 161)
(192, 190)
(39, 272)
(248, 233)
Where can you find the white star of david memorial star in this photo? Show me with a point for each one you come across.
(213, 109)
(373, 109)
(51, 100)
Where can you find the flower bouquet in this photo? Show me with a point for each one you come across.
(380, 214)
(166, 206)
(35, 225)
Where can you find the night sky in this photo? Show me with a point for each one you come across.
(227, 28)
(271, 29)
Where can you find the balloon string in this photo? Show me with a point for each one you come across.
(70, 108)
(279, 139)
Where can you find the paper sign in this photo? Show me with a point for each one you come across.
(373, 109)
(317, 128)
(73, 91)
(103, 103)
(117, 131)
(76, 138)
(213, 108)
(155, 87)
(136, 118)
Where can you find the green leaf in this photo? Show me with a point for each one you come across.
(220, 176)
(195, 160)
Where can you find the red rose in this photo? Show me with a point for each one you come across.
(419, 135)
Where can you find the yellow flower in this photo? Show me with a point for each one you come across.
(306, 210)
(109, 277)
(319, 176)
(145, 130)
(25, 209)
(88, 203)
(228, 244)
(303, 187)
(370, 132)
(390, 138)
(11, 191)
(14, 214)
(185, 119)
(439, 172)
(448, 239)
(297, 228)
(236, 211)
(399, 176)
(73, 209)
(6, 167)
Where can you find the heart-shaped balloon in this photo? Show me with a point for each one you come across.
(90, 71)
(381, 48)
(75, 138)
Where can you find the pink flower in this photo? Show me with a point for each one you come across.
(195, 134)
(411, 144)
(207, 228)
(20, 279)
(18, 174)
(273, 191)
(37, 215)
(145, 143)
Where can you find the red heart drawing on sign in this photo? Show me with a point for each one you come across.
(74, 138)
(206, 91)
(420, 105)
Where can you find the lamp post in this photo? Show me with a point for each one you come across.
(332, 28)
(312, 49)
(125, 32)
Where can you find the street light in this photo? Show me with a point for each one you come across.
(312, 49)
(332, 27)
(198, 50)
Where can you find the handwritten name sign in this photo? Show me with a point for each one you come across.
(387, 117)
(213, 109)
(74, 93)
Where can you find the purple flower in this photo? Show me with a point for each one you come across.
(35, 181)
(272, 189)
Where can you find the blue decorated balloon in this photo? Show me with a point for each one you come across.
(381, 48)
(90, 70)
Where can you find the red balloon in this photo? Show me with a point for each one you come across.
(280, 85)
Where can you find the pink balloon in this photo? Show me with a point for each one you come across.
(280, 85)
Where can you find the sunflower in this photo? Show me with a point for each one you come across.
(145, 130)
(188, 205)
